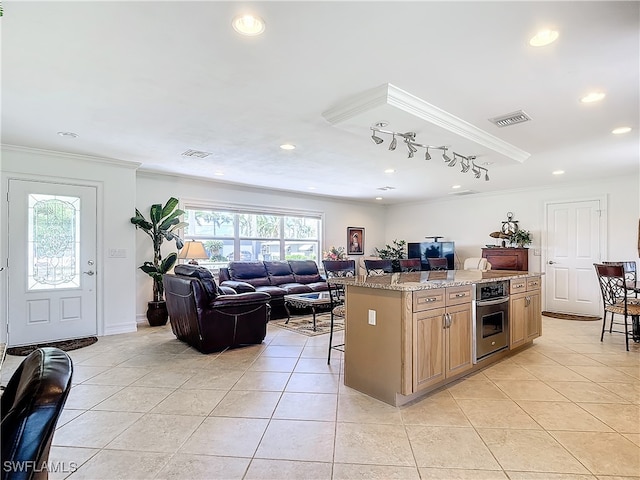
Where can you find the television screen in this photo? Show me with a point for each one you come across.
(425, 250)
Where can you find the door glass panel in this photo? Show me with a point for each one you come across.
(54, 242)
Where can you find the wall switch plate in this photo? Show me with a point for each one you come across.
(372, 317)
(536, 252)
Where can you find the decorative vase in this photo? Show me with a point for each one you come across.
(157, 313)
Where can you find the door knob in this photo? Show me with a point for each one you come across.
(90, 273)
(551, 262)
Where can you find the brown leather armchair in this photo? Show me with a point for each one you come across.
(208, 319)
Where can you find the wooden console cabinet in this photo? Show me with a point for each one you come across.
(507, 258)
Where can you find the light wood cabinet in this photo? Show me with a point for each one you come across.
(525, 315)
(442, 337)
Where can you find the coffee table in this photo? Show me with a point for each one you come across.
(304, 300)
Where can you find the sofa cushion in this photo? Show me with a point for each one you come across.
(292, 288)
(318, 286)
(272, 290)
(279, 272)
(305, 271)
(202, 274)
(254, 273)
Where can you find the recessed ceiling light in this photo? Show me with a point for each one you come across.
(544, 37)
(249, 25)
(68, 134)
(389, 170)
(219, 174)
(311, 188)
(378, 198)
(287, 146)
(558, 172)
(621, 130)
(456, 186)
(592, 97)
(487, 163)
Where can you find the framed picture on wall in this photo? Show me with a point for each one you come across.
(355, 240)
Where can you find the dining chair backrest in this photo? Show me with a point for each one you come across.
(378, 267)
(611, 278)
(630, 273)
(410, 265)
(339, 268)
(438, 263)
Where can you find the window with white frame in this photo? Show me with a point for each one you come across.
(230, 234)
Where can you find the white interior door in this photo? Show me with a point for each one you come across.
(52, 262)
(573, 245)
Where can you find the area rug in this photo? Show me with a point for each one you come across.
(570, 316)
(65, 345)
(304, 324)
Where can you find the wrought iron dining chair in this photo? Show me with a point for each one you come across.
(410, 265)
(630, 275)
(616, 302)
(378, 267)
(337, 268)
(438, 263)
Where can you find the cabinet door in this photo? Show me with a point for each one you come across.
(533, 324)
(428, 348)
(517, 319)
(459, 349)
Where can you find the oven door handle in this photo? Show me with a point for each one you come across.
(495, 301)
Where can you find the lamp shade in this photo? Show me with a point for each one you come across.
(193, 250)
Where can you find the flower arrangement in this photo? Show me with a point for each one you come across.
(334, 253)
(522, 238)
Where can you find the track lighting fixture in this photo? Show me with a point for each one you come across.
(409, 138)
(392, 145)
(376, 139)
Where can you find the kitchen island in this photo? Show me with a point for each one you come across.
(407, 334)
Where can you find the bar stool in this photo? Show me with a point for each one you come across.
(337, 268)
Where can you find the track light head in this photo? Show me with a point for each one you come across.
(377, 140)
(410, 154)
(426, 155)
(445, 157)
(486, 177)
(394, 142)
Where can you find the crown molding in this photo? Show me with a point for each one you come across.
(71, 156)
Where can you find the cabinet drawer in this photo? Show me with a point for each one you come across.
(534, 283)
(518, 285)
(427, 299)
(458, 295)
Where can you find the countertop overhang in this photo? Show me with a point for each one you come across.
(413, 281)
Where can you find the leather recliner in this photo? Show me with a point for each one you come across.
(31, 405)
(210, 319)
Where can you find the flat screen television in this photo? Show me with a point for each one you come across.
(424, 250)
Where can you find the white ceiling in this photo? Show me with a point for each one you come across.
(146, 81)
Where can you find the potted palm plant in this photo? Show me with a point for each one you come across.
(162, 225)
(395, 252)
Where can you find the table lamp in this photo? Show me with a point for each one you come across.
(193, 250)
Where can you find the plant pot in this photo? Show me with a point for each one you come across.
(157, 313)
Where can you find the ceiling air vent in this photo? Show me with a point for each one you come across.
(510, 119)
(195, 153)
(384, 189)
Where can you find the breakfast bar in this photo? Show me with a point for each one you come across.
(407, 334)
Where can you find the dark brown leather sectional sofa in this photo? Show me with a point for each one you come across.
(275, 278)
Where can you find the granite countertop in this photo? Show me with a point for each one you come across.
(432, 279)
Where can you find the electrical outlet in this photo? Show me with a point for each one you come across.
(536, 252)
(117, 253)
(372, 317)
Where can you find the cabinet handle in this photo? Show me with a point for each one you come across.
(534, 284)
(527, 301)
(430, 299)
(458, 295)
(520, 285)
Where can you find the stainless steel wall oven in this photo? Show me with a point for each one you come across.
(491, 319)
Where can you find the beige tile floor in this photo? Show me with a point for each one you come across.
(144, 405)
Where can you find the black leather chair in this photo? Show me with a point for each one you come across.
(31, 405)
(209, 319)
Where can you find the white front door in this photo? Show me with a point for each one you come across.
(52, 262)
(574, 244)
